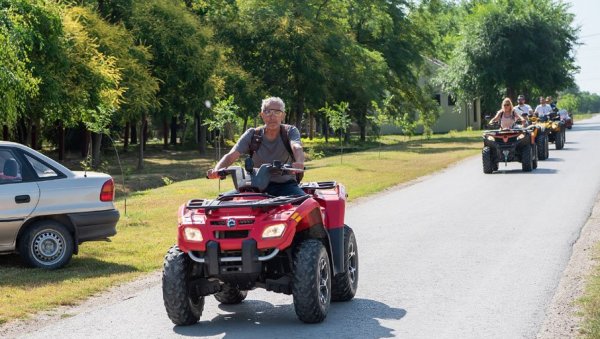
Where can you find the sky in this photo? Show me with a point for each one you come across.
(587, 17)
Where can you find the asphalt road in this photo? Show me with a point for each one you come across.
(457, 255)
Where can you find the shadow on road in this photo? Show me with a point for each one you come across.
(586, 127)
(359, 318)
(552, 160)
(539, 170)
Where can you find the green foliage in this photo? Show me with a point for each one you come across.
(338, 116)
(570, 102)
(512, 46)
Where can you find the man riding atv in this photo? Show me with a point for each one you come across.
(272, 142)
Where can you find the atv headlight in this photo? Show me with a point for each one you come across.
(491, 138)
(521, 137)
(192, 234)
(273, 231)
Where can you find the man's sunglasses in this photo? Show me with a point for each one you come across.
(272, 111)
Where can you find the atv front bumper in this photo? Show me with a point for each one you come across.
(247, 261)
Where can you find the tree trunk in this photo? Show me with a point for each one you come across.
(85, 137)
(140, 164)
(145, 133)
(196, 128)
(165, 133)
(22, 131)
(61, 141)
(510, 93)
(326, 130)
(202, 139)
(245, 124)
(311, 125)
(34, 135)
(96, 147)
(299, 111)
(5, 132)
(173, 130)
(134, 139)
(126, 138)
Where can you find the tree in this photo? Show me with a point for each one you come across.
(224, 112)
(184, 58)
(339, 120)
(512, 46)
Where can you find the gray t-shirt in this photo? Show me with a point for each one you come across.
(269, 151)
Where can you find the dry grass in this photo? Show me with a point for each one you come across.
(148, 229)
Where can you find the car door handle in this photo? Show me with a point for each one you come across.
(22, 199)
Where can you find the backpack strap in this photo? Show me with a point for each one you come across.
(284, 130)
(256, 141)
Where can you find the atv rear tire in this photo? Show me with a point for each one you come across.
(534, 155)
(311, 285)
(230, 295)
(559, 140)
(526, 158)
(542, 147)
(344, 285)
(182, 307)
(486, 158)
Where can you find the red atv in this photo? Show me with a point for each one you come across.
(296, 245)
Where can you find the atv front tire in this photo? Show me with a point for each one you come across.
(183, 308)
(526, 158)
(486, 158)
(534, 155)
(344, 285)
(542, 147)
(230, 295)
(311, 286)
(559, 140)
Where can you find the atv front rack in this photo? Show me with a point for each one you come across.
(226, 201)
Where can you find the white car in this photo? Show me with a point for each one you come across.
(47, 210)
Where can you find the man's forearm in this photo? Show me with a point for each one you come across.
(226, 161)
(298, 154)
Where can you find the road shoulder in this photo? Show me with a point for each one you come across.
(563, 318)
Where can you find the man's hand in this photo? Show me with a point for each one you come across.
(212, 174)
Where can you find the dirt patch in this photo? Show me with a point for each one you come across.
(562, 315)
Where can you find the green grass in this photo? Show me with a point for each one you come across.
(149, 228)
(590, 301)
(583, 116)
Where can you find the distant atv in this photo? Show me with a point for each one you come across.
(296, 245)
(510, 145)
(555, 128)
(541, 140)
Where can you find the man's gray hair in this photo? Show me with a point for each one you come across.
(269, 100)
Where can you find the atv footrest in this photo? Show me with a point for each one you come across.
(281, 285)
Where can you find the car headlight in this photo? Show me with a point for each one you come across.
(521, 137)
(273, 231)
(491, 138)
(192, 234)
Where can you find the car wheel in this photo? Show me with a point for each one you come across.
(46, 244)
(182, 306)
(344, 285)
(486, 158)
(230, 295)
(311, 286)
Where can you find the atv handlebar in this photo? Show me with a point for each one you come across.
(276, 166)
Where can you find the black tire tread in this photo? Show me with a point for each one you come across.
(304, 287)
(24, 244)
(526, 160)
(342, 288)
(230, 295)
(175, 289)
(486, 158)
(541, 147)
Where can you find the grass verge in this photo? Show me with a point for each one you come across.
(590, 302)
(148, 229)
